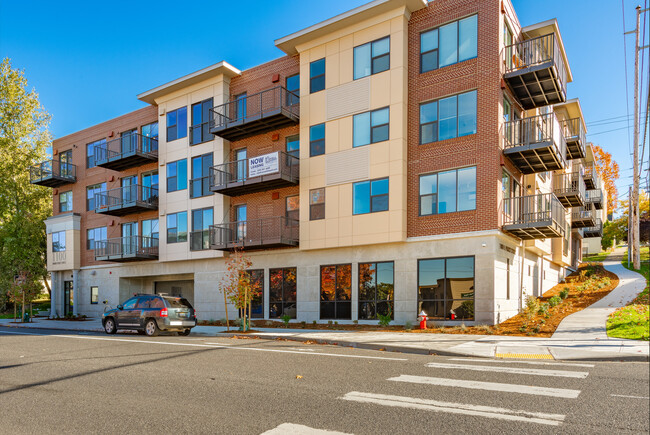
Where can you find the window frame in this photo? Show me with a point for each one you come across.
(94, 238)
(94, 144)
(445, 299)
(316, 142)
(94, 187)
(292, 93)
(336, 300)
(205, 136)
(437, 49)
(437, 121)
(204, 230)
(284, 302)
(176, 126)
(296, 211)
(316, 205)
(372, 128)
(375, 300)
(176, 177)
(312, 78)
(371, 196)
(60, 236)
(176, 238)
(372, 58)
(94, 295)
(436, 194)
(204, 179)
(69, 196)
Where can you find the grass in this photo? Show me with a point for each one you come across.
(598, 258)
(645, 271)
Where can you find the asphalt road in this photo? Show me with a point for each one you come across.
(54, 382)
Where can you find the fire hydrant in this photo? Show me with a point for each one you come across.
(423, 320)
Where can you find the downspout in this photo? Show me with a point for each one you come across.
(521, 276)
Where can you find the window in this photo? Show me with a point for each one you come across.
(177, 227)
(94, 235)
(94, 294)
(200, 183)
(150, 186)
(316, 204)
(177, 175)
(510, 188)
(446, 288)
(91, 152)
(316, 140)
(370, 127)
(58, 241)
(370, 196)
(257, 286)
(372, 58)
(448, 191)
(447, 118)
(150, 233)
(176, 124)
(293, 209)
(282, 293)
(150, 137)
(241, 211)
(376, 285)
(200, 235)
(317, 76)
(293, 146)
(293, 88)
(336, 292)
(65, 201)
(200, 129)
(449, 44)
(91, 191)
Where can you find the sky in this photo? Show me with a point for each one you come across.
(89, 60)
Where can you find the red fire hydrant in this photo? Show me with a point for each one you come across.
(423, 320)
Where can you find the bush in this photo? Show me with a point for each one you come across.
(564, 293)
(286, 319)
(555, 301)
(543, 308)
(384, 319)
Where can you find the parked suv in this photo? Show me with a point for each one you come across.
(150, 314)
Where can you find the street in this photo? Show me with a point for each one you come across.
(56, 381)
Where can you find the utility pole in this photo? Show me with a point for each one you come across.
(629, 227)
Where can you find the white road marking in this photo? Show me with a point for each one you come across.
(208, 345)
(298, 429)
(489, 386)
(456, 408)
(512, 370)
(505, 361)
(630, 397)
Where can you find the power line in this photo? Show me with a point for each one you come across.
(627, 92)
(609, 131)
(609, 121)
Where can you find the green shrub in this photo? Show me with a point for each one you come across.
(543, 308)
(286, 319)
(555, 301)
(314, 322)
(384, 319)
(564, 293)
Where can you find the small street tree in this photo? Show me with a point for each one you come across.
(238, 288)
(608, 170)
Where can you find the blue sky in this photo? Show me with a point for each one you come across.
(88, 60)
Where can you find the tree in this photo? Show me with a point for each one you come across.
(608, 170)
(239, 288)
(24, 141)
(644, 206)
(616, 229)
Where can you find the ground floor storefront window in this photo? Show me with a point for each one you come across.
(336, 292)
(282, 293)
(257, 282)
(446, 288)
(376, 290)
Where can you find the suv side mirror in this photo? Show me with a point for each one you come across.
(120, 307)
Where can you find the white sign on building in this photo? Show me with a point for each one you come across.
(263, 165)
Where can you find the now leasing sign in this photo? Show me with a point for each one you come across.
(262, 165)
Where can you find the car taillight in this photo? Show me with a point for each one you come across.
(194, 313)
(163, 312)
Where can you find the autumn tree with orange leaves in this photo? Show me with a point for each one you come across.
(608, 170)
(239, 288)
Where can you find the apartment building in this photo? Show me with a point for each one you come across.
(401, 157)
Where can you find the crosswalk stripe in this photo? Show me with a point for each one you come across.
(455, 408)
(512, 370)
(489, 386)
(505, 361)
(299, 429)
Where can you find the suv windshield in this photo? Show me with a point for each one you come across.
(178, 303)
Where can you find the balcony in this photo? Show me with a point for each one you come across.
(128, 151)
(535, 144)
(53, 173)
(590, 175)
(569, 189)
(200, 240)
(126, 200)
(595, 197)
(255, 114)
(594, 231)
(256, 174)
(583, 217)
(265, 233)
(535, 71)
(534, 217)
(575, 136)
(123, 249)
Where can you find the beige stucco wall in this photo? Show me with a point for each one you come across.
(69, 259)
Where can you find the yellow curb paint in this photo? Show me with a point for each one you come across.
(524, 355)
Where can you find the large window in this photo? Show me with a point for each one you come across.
(150, 137)
(448, 44)
(177, 227)
(293, 86)
(376, 290)
(447, 118)
(177, 175)
(200, 129)
(257, 283)
(292, 209)
(200, 183)
(176, 124)
(448, 191)
(370, 127)
(370, 196)
(90, 152)
(94, 294)
(58, 241)
(282, 292)
(317, 204)
(317, 76)
(372, 58)
(94, 235)
(150, 231)
(200, 236)
(336, 292)
(316, 140)
(293, 146)
(446, 288)
(91, 191)
(65, 201)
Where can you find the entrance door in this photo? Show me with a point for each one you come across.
(68, 298)
(129, 141)
(130, 238)
(240, 217)
(65, 160)
(129, 188)
(241, 164)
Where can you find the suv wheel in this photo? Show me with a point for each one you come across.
(109, 326)
(185, 332)
(151, 328)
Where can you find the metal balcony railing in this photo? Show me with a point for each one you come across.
(570, 188)
(127, 151)
(235, 178)
(535, 144)
(200, 240)
(262, 233)
(582, 217)
(534, 216)
(130, 248)
(255, 114)
(127, 199)
(52, 173)
(590, 175)
(595, 197)
(575, 136)
(595, 230)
